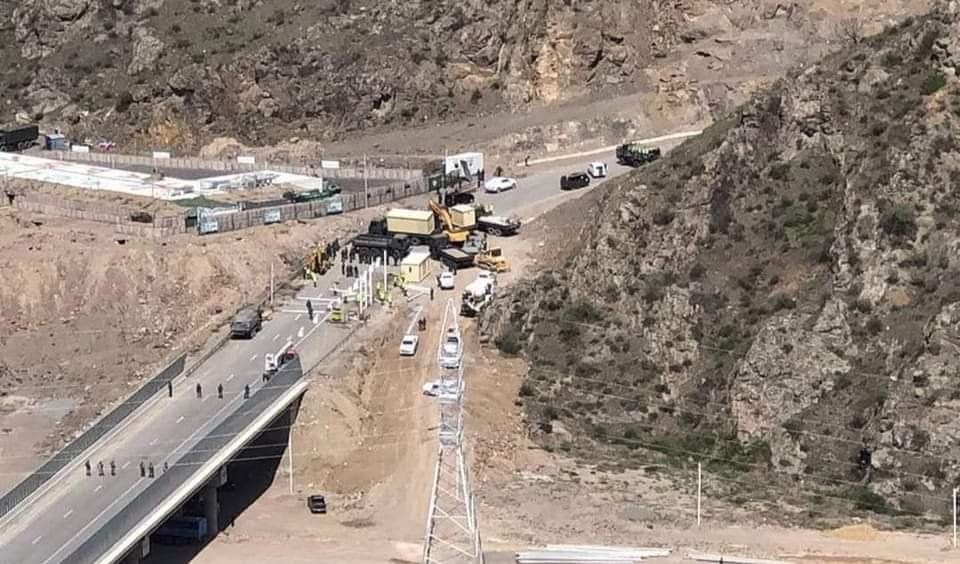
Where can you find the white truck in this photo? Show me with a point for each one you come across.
(478, 294)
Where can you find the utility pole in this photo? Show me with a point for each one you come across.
(955, 516)
(271, 282)
(699, 487)
(366, 192)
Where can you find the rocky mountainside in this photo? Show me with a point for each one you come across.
(179, 71)
(778, 296)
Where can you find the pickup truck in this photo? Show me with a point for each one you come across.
(246, 323)
(498, 225)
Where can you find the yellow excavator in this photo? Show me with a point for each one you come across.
(318, 262)
(457, 234)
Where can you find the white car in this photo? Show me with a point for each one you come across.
(446, 280)
(408, 345)
(451, 352)
(597, 169)
(498, 184)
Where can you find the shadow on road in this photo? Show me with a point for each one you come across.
(249, 475)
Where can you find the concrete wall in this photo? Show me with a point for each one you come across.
(232, 166)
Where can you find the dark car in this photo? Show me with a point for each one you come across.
(317, 504)
(574, 180)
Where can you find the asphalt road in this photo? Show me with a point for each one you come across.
(47, 530)
(542, 186)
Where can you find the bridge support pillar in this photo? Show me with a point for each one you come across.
(211, 507)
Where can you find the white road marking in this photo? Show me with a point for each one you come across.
(254, 357)
(179, 419)
(530, 219)
(154, 441)
(36, 540)
(230, 377)
(201, 428)
(68, 513)
(98, 488)
(124, 467)
(275, 337)
(300, 332)
(297, 318)
(205, 398)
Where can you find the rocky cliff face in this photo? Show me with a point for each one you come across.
(267, 70)
(778, 295)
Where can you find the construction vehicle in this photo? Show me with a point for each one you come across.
(456, 222)
(635, 154)
(318, 261)
(478, 294)
(492, 260)
(246, 323)
(451, 189)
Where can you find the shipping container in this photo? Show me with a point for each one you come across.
(463, 216)
(410, 222)
(416, 266)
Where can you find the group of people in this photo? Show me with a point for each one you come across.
(146, 469)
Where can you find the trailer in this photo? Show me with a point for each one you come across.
(19, 138)
(454, 258)
(498, 225)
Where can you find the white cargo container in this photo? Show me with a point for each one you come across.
(465, 164)
(411, 222)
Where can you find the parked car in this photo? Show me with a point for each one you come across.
(498, 184)
(317, 504)
(574, 180)
(446, 280)
(452, 350)
(597, 169)
(408, 345)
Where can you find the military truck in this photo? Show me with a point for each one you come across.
(246, 323)
(18, 138)
(635, 154)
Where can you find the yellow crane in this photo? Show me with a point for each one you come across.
(456, 234)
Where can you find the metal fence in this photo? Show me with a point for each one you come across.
(166, 483)
(310, 210)
(106, 424)
(231, 167)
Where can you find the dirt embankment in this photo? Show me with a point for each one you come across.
(86, 319)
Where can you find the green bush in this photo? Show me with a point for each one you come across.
(510, 340)
(934, 82)
(898, 222)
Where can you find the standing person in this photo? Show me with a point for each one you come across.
(113, 468)
(526, 161)
(150, 470)
(143, 470)
(499, 171)
(219, 391)
(87, 466)
(246, 392)
(310, 309)
(170, 388)
(100, 468)
(199, 391)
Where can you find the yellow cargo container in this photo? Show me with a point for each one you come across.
(411, 222)
(463, 216)
(415, 267)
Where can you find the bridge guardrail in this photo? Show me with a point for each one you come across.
(166, 483)
(40, 476)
